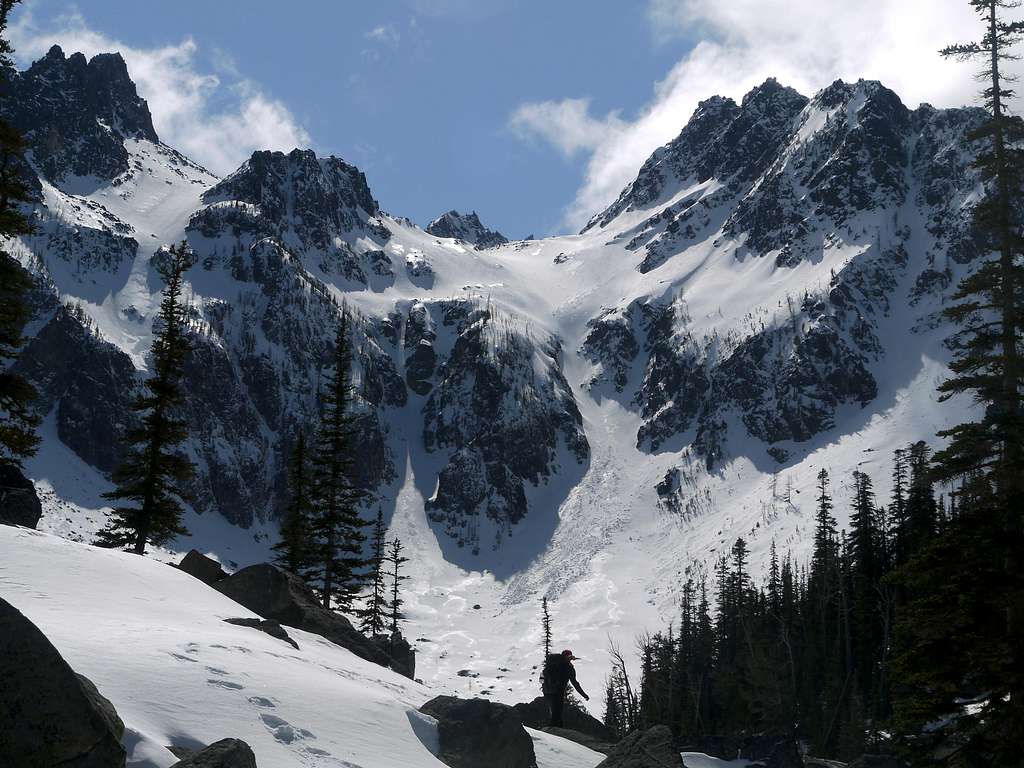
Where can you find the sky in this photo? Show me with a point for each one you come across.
(534, 113)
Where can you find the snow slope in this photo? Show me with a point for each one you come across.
(153, 641)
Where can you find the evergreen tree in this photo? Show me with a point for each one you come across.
(985, 456)
(337, 526)
(545, 626)
(153, 476)
(18, 439)
(374, 614)
(293, 550)
(395, 561)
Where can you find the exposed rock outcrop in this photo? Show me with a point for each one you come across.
(204, 568)
(19, 502)
(51, 716)
(652, 748)
(280, 596)
(477, 732)
(226, 753)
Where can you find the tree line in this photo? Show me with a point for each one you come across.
(905, 632)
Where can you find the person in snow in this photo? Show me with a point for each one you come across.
(558, 673)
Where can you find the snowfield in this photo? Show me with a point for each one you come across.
(154, 642)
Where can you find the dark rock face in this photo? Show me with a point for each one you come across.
(652, 748)
(401, 653)
(19, 503)
(465, 227)
(488, 385)
(536, 714)
(91, 383)
(76, 114)
(271, 628)
(476, 732)
(281, 596)
(51, 715)
(204, 568)
(226, 753)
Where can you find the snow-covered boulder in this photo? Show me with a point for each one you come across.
(226, 753)
(50, 715)
(477, 732)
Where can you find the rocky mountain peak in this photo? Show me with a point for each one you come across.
(325, 195)
(77, 113)
(466, 227)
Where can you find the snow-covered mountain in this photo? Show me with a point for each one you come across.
(466, 227)
(583, 416)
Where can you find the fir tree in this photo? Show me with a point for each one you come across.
(337, 526)
(373, 615)
(293, 550)
(153, 476)
(545, 621)
(395, 560)
(18, 439)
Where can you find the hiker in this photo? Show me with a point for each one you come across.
(558, 673)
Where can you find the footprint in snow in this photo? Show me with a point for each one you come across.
(260, 701)
(215, 671)
(284, 731)
(225, 684)
(179, 657)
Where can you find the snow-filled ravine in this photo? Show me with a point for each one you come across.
(153, 640)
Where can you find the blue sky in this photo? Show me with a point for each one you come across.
(532, 113)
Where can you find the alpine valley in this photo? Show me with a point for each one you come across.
(536, 417)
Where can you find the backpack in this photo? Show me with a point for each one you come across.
(555, 674)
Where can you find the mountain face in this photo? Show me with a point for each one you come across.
(467, 228)
(764, 298)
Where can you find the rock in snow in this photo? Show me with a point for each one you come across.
(283, 597)
(477, 732)
(467, 228)
(51, 716)
(651, 748)
(226, 753)
(19, 503)
(204, 568)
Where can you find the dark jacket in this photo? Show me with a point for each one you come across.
(557, 674)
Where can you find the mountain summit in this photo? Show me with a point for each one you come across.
(467, 228)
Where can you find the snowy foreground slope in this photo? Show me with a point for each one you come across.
(587, 417)
(153, 641)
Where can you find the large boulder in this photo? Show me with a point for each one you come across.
(19, 504)
(402, 655)
(226, 753)
(281, 596)
(204, 568)
(477, 732)
(652, 748)
(536, 714)
(50, 715)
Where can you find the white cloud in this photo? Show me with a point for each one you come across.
(565, 124)
(217, 124)
(804, 43)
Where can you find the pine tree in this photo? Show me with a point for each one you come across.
(337, 526)
(18, 439)
(545, 626)
(960, 632)
(293, 550)
(153, 476)
(395, 560)
(373, 615)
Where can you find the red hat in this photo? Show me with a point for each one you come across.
(567, 653)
